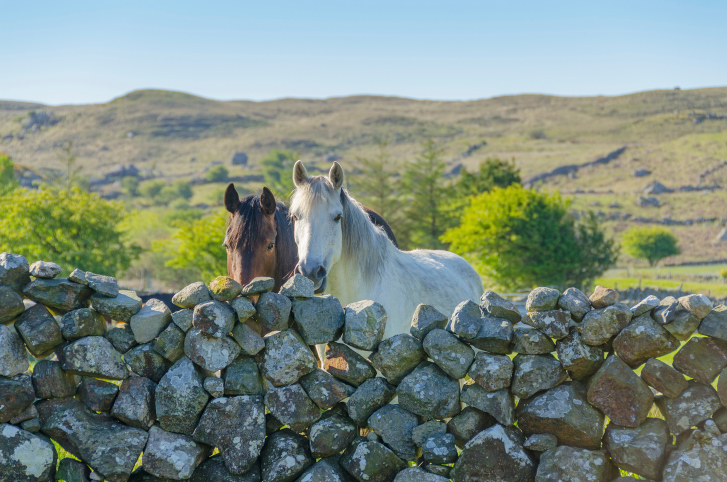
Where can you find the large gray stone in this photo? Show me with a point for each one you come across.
(541, 442)
(425, 319)
(421, 433)
(11, 305)
(213, 469)
(397, 356)
(347, 365)
(92, 356)
(82, 322)
(644, 306)
(535, 373)
(331, 435)
(598, 326)
(500, 404)
(466, 320)
(243, 307)
(192, 295)
(666, 310)
(71, 470)
(394, 425)
(249, 340)
(97, 395)
(570, 464)
(285, 457)
(697, 304)
(103, 285)
(39, 331)
(642, 339)
(14, 271)
(580, 360)
(25, 457)
(683, 325)
(50, 381)
(214, 386)
(78, 276)
(417, 474)
(448, 353)
(224, 288)
(146, 362)
(370, 396)
(235, 425)
(292, 406)
(120, 308)
(554, 323)
(692, 407)
(121, 337)
(495, 454)
(494, 335)
(16, 395)
(13, 357)
(45, 269)
(439, 449)
(701, 359)
(715, 323)
(640, 450)
(180, 397)
(298, 287)
(365, 322)
(58, 294)
(496, 306)
(663, 378)
(258, 286)
(170, 343)
(326, 470)
(134, 404)
(172, 455)
(183, 319)
(150, 320)
(371, 462)
(603, 297)
(542, 299)
(324, 389)
(243, 377)
(468, 423)
(214, 318)
(575, 302)
(491, 372)
(210, 352)
(429, 392)
(286, 358)
(319, 320)
(529, 341)
(272, 311)
(705, 460)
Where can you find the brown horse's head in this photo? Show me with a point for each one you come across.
(259, 238)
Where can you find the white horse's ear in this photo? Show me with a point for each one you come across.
(335, 175)
(300, 175)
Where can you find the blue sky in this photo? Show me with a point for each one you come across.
(83, 52)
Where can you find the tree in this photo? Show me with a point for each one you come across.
(425, 196)
(151, 189)
(491, 173)
(70, 176)
(652, 243)
(217, 174)
(520, 238)
(277, 169)
(75, 229)
(8, 183)
(376, 185)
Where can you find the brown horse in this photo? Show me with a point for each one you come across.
(259, 239)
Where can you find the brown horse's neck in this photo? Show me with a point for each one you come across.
(286, 250)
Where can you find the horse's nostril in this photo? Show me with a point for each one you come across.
(321, 272)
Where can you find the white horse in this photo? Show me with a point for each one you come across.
(344, 254)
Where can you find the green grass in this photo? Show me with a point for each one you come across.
(715, 290)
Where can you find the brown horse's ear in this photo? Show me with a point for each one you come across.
(335, 175)
(267, 201)
(232, 199)
(300, 175)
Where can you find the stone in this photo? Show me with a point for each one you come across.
(425, 319)
(500, 404)
(554, 323)
(570, 464)
(292, 406)
(421, 433)
(720, 419)
(13, 357)
(468, 423)
(494, 335)
(371, 462)
(542, 299)
(243, 307)
(580, 360)
(50, 381)
(603, 297)
(319, 320)
(398, 356)
(32, 425)
(134, 404)
(210, 352)
(29, 413)
(39, 331)
(82, 322)
(92, 356)
(285, 456)
(243, 377)
(58, 294)
(535, 373)
(298, 287)
(644, 306)
(665, 312)
(370, 396)
(697, 304)
(251, 343)
(641, 450)
(466, 320)
(395, 425)
(224, 288)
(14, 271)
(214, 386)
(448, 353)
(693, 406)
(331, 435)
(707, 461)
(103, 285)
(324, 389)
(214, 318)
(144, 361)
(429, 392)
(183, 319)
(258, 286)
(365, 322)
(722, 387)
(110, 448)
(347, 365)
(172, 455)
(541, 442)
(598, 326)
(440, 449)
(491, 372)
(78, 276)
(286, 358)
(683, 325)
(70, 470)
(619, 393)
(11, 305)
(715, 323)
(235, 425)
(273, 311)
(151, 320)
(663, 378)
(642, 339)
(494, 454)
(170, 343)
(326, 470)
(496, 306)
(192, 295)
(45, 269)
(416, 474)
(213, 469)
(97, 395)
(121, 337)
(25, 456)
(529, 341)
(180, 397)
(701, 359)
(574, 302)
(562, 411)
(17, 395)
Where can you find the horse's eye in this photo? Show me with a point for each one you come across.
(337, 218)
(271, 246)
(294, 218)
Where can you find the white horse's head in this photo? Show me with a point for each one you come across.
(317, 210)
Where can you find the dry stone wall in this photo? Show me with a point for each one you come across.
(572, 390)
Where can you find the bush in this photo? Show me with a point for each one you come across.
(8, 183)
(520, 237)
(277, 169)
(130, 185)
(217, 174)
(76, 229)
(652, 243)
(151, 189)
(491, 173)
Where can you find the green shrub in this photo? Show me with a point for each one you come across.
(217, 174)
(651, 243)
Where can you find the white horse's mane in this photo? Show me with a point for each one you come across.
(365, 245)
